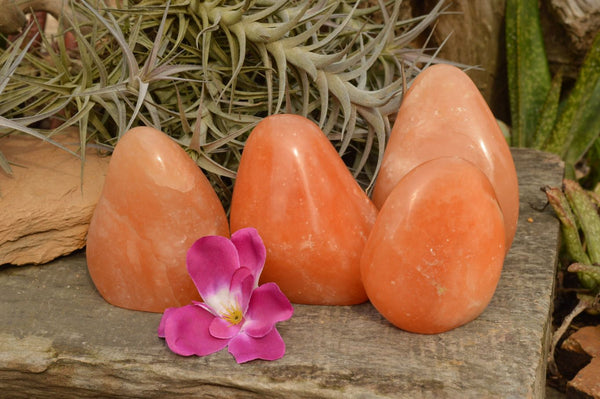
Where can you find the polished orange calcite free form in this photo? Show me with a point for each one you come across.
(313, 217)
(435, 254)
(444, 114)
(154, 205)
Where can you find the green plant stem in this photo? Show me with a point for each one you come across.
(591, 272)
(588, 217)
(569, 228)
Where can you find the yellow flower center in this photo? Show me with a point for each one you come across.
(233, 314)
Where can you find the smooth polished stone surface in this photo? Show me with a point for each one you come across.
(434, 256)
(444, 114)
(155, 204)
(293, 187)
(60, 339)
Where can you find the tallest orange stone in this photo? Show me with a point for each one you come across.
(443, 114)
(154, 205)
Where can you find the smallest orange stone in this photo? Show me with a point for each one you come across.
(434, 256)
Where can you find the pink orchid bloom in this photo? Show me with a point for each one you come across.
(236, 312)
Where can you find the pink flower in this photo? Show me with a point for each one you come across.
(236, 312)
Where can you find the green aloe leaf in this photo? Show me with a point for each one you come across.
(548, 112)
(528, 71)
(578, 125)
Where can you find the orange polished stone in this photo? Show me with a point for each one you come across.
(154, 205)
(443, 114)
(293, 187)
(435, 254)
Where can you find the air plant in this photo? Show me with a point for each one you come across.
(205, 72)
(10, 60)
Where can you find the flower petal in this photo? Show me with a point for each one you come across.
(211, 262)
(251, 250)
(206, 307)
(268, 305)
(161, 325)
(186, 331)
(242, 284)
(245, 348)
(221, 328)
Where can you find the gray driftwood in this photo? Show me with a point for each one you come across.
(59, 339)
(581, 20)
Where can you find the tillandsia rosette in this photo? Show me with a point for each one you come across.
(205, 72)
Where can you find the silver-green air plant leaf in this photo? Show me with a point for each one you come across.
(222, 66)
(10, 60)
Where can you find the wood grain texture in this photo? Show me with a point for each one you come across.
(581, 19)
(473, 33)
(58, 338)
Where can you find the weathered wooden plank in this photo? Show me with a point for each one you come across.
(58, 338)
